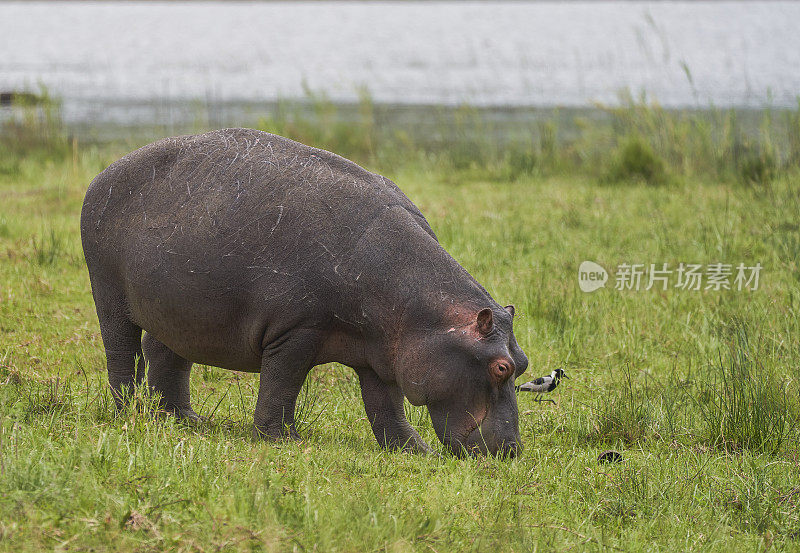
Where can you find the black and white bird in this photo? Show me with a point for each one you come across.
(543, 384)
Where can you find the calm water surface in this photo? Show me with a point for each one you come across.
(490, 54)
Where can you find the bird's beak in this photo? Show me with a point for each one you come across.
(564, 375)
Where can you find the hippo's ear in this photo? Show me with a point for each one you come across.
(485, 321)
(511, 310)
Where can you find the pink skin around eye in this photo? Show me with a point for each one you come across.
(501, 370)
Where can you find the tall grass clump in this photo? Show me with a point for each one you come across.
(32, 127)
(793, 136)
(750, 158)
(470, 148)
(635, 160)
(643, 141)
(634, 493)
(745, 406)
(317, 121)
(623, 413)
(631, 413)
(48, 247)
(53, 396)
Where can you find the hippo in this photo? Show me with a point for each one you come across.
(248, 251)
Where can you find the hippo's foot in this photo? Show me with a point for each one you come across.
(412, 443)
(273, 433)
(418, 447)
(184, 414)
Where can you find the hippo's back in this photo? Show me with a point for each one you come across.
(215, 180)
(229, 193)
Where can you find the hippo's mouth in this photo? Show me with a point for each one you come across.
(474, 425)
(481, 437)
(476, 420)
(464, 441)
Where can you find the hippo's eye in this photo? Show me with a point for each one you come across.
(500, 371)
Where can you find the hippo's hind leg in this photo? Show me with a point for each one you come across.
(122, 340)
(169, 374)
(284, 367)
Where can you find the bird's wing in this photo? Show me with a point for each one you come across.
(538, 385)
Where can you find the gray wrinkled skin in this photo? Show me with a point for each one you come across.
(248, 251)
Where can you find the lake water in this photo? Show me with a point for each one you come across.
(101, 57)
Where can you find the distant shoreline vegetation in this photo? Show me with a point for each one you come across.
(636, 140)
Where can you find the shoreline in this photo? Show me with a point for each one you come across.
(110, 119)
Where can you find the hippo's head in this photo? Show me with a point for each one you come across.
(464, 372)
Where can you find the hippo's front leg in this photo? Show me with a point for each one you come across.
(384, 406)
(284, 367)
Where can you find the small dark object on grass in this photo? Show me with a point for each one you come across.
(610, 456)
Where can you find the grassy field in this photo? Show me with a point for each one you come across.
(698, 390)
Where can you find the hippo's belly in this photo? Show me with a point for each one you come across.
(218, 330)
(207, 310)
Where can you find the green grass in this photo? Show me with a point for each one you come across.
(710, 461)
